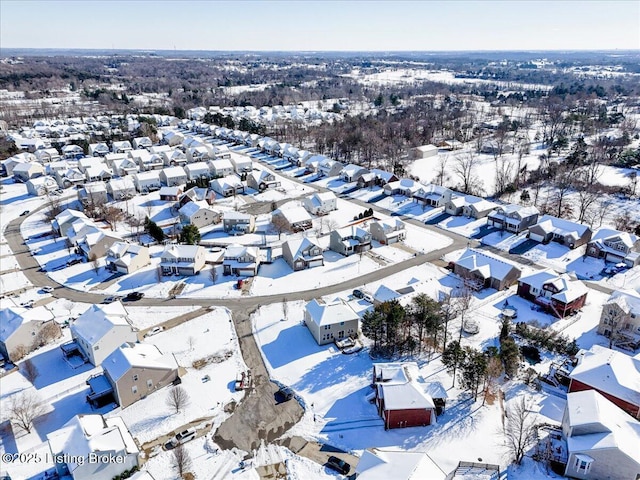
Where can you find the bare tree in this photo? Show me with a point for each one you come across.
(29, 370)
(441, 170)
(178, 398)
(464, 167)
(191, 341)
(24, 409)
(285, 308)
(54, 207)
(280, 224)
(519, 429)
(494, 370)
(48, 332)
(18, 353)
(95, 262)
(181, 460)
(112, 216)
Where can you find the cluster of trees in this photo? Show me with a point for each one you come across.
(547, 339)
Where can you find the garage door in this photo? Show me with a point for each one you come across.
(536, 237)
(315, 263)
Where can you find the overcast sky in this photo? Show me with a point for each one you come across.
(321, 25)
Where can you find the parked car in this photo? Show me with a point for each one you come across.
(74, 261)
(154, 331)
(338, 465)
(358, 293)
(47, 289)
(368, 298)
(28, 303)
(284, 394)
(183, 437)
(132, 296)
(109, 300)
(25, 213)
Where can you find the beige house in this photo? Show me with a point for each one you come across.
(136, 370)
(320, 203)
(127, 258)
(301, 253)
(100, 330)
(87, 437)
(620, 319)
(23, 332)
(182, 259)
(238, 222)
(392, 231)
(200, 216)
(328, 322)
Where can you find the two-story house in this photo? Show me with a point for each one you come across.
(484, 270)
(262, 180)
(121, 188)
(23, 332)
(614, 246)
(173, 176)
(241, 260)
(182, 259)
(301, 253)
(238, 223)
(513, 218)
(127, 258)
(193, 213)
(620, 319)
(350, 240)
(560, 295)
(388, 232)
(320, 203)
(565, 232)
(227, 186)
(293, 216)
(328, 322)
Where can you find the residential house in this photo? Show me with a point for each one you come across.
(330, 168)
(400, 395)
(87, 162)
(125, 166)
(320, 203)
(560, 295)
(613, 374)
(142, 142)
(227, 186)
(301, 253)
(23, 172)
(513, 218)
(197, 170)
(241, 260)
(201, 216)
(72, 151)
(147, 181)
(170, 194)
(294, 217)
(328, 322)
(123, 146)
(121, 188)
(352, 172)
(387, 463)
(148, 161)
(262, 180)
(21, 332)
(469, 206)
(433, 195)
(63, 221)
(135, 370)
(350, 240)
(41, 186)
(221, 167)
(182, 259)
(601, 440)
(127, 258)
(376, 177)
(388, 232)
(241, 164)
(404, 186)
(69, 177)
(98, 149)
(100, 330)
(616, 247)
(424, 151)
(173, 158)
(449, 145)
(93, 193)
(199, 154)
(47, 155)
(221, 152)
(620, 319)
(238, 223)
(80, 448)
(565, 232)
(484, 270)
(95, 243)
(96, 173)
(58, 166)
(173, 176)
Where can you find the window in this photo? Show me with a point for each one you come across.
(583, 463)
(135, 378)
(134, 389)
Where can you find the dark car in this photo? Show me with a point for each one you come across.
(284, 394)
(26, 212)
(338, 465)
(358, 293)
(134, 296)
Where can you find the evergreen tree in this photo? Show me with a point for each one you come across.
(190, 235)
(452, 357)
(154, 230)
(473, 370)
(373, 326)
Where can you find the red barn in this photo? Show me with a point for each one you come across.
(400, 395)
(613, 374)
(560, 295)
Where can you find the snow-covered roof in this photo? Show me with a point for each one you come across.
(385, 464)
(12, 318)
(123, 183)
(297, 246)
(385, 294)
(189, 209)
(628, 239)
(180, 251)
(84, 434)
(294, 215)
(401, 386)
(170, 191)
(612, 427)
(238, 216)
(98, 320)
(513, 208)
(235, 251)
(561, 226)
(322, 313)
(488, 265)
(174, 172)
(568, 288)
(627, 300)
(609, 371)
(149, 175)
(138, 355)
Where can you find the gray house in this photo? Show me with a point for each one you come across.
(302, 253)
(328, 322)
(485, 271)
(565, 232)
(513, 218)
(350, 240)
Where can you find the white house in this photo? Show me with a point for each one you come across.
(101, 329)
(182, 259)
(391, 231)
(23, 172)
(127, 258)
(227, 186)
(147, 181)
(69, 177)
(82, 448)
(241, 164)
(121, 188)
(173, 176)
(98, 149)
(328, 322)
(396, 464)
(221, 167)
(197, 170)
(241, 260)
(41, 185)
(125, 166)
(142, 142)
(320, 203)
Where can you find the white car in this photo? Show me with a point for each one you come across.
(154, 331)
(47, 289)
(183, 437)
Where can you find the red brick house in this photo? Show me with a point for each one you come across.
(560, 295)
(400, 396)
(611, 373)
